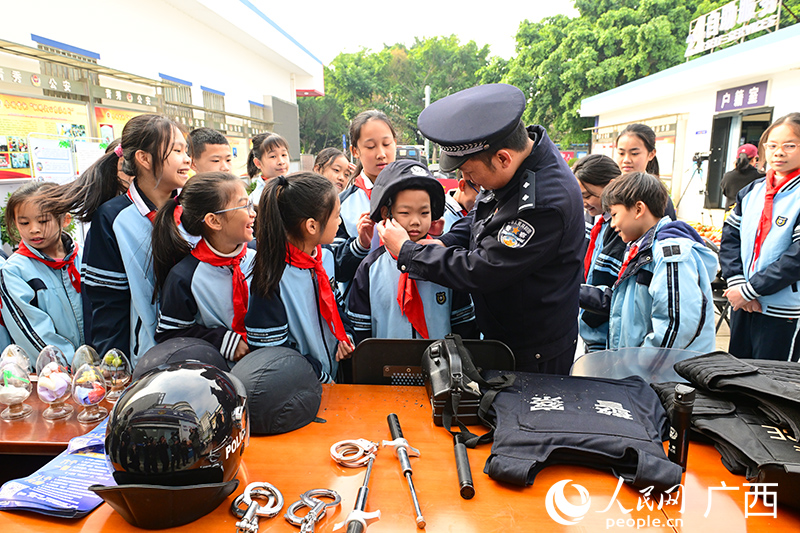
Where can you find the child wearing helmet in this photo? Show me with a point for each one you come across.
(385, 303)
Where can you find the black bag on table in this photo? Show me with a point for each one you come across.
(458, 393)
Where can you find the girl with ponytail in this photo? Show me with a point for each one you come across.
(292, 300)
(204, 291)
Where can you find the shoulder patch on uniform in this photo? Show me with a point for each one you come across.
(515, 233)
(441, 297)
(672, 253)
(780, 221)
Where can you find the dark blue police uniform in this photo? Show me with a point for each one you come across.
(520, 251)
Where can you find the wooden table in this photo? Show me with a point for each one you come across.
(34, 435)
(300, 461)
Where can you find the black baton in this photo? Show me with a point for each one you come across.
(467, 489)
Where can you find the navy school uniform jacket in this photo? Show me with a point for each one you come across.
(197, 301)
(118, 277)
(40, 305)
(373, 309)
(291, 317)
(519, 253)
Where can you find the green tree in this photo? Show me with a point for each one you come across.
(560, 61)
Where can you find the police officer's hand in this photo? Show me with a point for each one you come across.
(393, 235)
(366, 228)
(242, 349)
(345, 349)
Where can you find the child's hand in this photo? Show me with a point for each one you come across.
(242, 349)
(437, 228)
(734, 296)
(344, 350)
(366, 229)
(393, 235)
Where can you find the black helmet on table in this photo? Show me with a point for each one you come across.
(193, 411)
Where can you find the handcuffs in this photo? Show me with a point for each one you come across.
(354, 453)
(248, 522)
(317, 508)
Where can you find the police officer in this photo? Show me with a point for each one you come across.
(519, 251)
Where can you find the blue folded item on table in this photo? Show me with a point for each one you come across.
(59, 488)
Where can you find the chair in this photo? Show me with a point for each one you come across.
(398, 361)
(718, 286)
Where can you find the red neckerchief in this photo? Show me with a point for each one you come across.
(587, 261)
(411, 303)
(361, 185)
(765, 222)
(57, 264)
(327, 301)
(631, 255)
(464, 212)
(240, 292)
(136, 199)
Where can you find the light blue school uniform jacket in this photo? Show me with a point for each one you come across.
(291, 317)
(773, 277)
(373, 309)
(453, 212)
(663, 298)
(118, 275)
(5, 338)
(197, 301)
(40, 305)
(255, 196)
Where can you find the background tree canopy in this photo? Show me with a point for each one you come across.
(559, 61)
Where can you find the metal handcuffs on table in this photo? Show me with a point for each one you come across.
(317, 508)
(354, 453)
(248, 522)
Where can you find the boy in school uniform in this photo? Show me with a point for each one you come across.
(210, 151)
(459, 201)
(662, 296)
(387, 304)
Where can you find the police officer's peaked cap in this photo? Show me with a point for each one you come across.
(471, 121)
(401, 175)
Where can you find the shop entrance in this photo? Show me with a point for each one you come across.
(728, 132)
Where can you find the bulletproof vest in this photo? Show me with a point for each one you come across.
(773, 385)
(610, 424)
(750, 445)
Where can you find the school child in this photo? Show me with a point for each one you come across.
(385, 304)
(333, 165)
(204, 291)
(269, 158)
(292, 302)
(605, 249)
(118, 276)
(40, 284)
(760, 252)
(635, 151)
(373, 141)
(209, 150)
(459, 202)
(662, 297)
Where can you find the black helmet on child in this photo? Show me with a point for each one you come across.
(399, 176)
(174, 441)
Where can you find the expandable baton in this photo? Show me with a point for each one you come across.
(467, 489)
(358, 518)
(403, 450)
